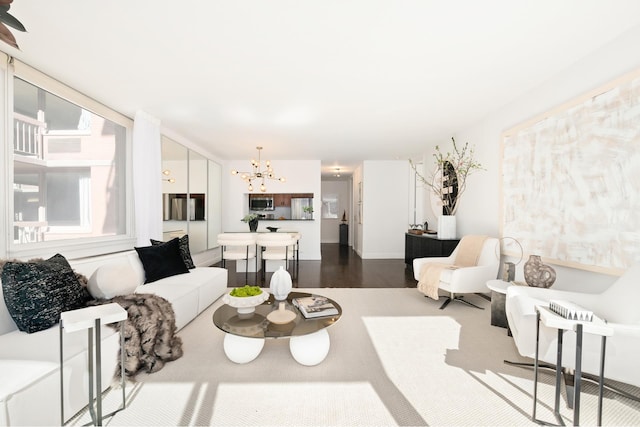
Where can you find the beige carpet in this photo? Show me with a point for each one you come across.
(395, 359)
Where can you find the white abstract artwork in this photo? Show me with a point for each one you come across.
(571, 181)
(329, 206)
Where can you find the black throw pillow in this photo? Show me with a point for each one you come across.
(37, 292)
(185, 253)
(161, 261)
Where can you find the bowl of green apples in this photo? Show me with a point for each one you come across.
(245, 298)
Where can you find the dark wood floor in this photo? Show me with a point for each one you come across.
(340, 267)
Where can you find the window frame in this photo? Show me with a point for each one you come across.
(72, 248)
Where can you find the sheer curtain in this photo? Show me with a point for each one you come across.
(6, 228)
(147, 178)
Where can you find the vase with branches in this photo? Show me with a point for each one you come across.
(448, 181)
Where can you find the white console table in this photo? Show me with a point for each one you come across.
(596, 326)
(91, 318)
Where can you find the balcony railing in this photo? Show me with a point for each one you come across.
(28, 136)
(29, 231)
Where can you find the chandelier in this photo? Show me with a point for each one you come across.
(257, 173)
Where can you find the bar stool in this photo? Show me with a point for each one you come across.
(296, 236)
(239, 246)
(276, 246)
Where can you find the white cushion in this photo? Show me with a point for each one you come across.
(137, 266)
(445, 275)
(45, 345)
(19, 374)
(112, 280)
(26, 382)
(6, 321)
(183, 297)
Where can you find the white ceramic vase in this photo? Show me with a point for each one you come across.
(280, 284)
(446, 227)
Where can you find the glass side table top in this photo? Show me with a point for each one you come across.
(256, 324)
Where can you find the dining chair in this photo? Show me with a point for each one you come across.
(276, 247)
(296, 247)
(239, 246)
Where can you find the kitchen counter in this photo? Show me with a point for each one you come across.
(280, 220)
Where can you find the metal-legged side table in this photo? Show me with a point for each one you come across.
(91, 318)
(596, 327)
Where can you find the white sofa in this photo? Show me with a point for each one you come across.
(618, 304)
(29, 363)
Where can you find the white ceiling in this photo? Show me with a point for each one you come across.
(337, 80)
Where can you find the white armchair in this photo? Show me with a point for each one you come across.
(618, 305)
(467, 279)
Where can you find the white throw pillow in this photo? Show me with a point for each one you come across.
(114, 279)
(137, 266)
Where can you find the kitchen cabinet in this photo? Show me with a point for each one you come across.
(260, 195)
(302, 196)
(425, 245)
(282, 200)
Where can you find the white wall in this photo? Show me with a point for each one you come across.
(479, 207)
(330, 232)
(386, 208)
(302, 176)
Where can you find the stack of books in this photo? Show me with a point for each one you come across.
(315, 306)
(570, 311)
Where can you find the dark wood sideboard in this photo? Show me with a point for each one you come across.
(426, 245)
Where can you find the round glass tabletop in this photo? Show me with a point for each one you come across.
(257, 325)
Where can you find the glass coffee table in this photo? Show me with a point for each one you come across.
(245, 334)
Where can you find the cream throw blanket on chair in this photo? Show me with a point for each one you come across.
(469, 250)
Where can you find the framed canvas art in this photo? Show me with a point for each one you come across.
(571, 180)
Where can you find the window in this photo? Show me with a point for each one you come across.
(69, 162)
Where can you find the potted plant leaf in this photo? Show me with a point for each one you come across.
(252, 220)
(308, 210)
(8, 19)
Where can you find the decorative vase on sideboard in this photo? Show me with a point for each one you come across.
(537, 273)
(446, 227)
(253, 225)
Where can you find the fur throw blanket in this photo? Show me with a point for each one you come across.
(149, 333)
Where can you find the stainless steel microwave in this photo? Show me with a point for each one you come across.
(261, 203)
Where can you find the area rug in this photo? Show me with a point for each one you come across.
(395, 359)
